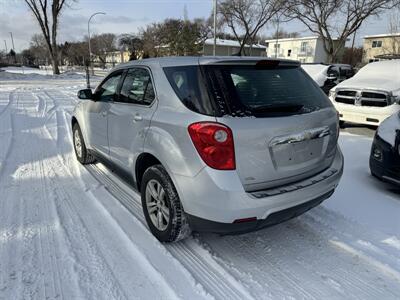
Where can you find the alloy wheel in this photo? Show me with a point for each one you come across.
(157, 206)
(78, 143)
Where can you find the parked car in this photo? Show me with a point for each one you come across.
(384, 160)
(225, 145)
(345, 71)
(371, 96)
(328, 76)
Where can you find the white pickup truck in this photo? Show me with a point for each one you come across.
(371, 96)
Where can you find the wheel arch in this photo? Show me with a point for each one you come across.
(143, 162)
(73, 121)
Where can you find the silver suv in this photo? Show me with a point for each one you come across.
(226, 145)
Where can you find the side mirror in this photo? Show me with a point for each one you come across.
(85, 94)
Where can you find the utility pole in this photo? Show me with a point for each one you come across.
(5, 44)
(352, 47)
(277, 37)
(215, 28)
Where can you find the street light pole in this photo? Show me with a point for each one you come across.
(12, 40)
(215, 28)
(90, 48)
(13, 47)
(5, 44)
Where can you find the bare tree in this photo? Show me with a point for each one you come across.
(282, 34)
(245, 18)
(47, 13)
(103, 45)
(175, 37)
(75, 53)
(133, 43)
(352, 56)
(335, 20)
(394, 29)
(39, 49)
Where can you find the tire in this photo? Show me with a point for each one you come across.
(81, 152)
(159, 194)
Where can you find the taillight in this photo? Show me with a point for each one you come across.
(214, 143)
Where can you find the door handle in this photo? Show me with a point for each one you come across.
(137, 118)
(104, 113)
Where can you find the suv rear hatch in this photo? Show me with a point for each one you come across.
(284, 126)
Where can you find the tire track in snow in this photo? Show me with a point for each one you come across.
(6, 132)
(201, 265)
(23, 246)
(61, 122)
(23, 191)
(371, 245)
(298, 255)
(11, 225)
(10, 101)
(100, 267)
(95, 281)
(95, 275)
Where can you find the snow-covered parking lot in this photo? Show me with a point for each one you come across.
(69, 232)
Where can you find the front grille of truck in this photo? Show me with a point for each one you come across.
(362, 98)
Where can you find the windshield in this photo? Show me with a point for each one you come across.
(265, 92)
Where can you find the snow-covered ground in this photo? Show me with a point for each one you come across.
(68, 231)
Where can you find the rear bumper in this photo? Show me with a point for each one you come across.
(365, 115)
(219, 196)
(200, 225)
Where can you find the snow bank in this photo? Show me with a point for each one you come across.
(16, 73)
(387, 130)
(27, 70)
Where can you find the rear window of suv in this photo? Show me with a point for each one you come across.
(251, 90)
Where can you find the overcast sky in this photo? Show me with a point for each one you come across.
(124, 16)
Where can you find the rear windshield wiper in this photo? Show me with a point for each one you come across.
(278, 108)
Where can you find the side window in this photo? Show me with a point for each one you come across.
(108, 90)
(137, 87)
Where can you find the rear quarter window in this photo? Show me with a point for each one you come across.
(188, 84)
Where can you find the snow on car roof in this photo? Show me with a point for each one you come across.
(318, 72)
(380, 75)
(314, 69)
(389, 69)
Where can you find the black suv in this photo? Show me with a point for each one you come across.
(384, 160)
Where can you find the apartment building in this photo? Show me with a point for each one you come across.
(381, 46)
(303, 49)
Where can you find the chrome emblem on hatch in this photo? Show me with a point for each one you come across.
(306, 135)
